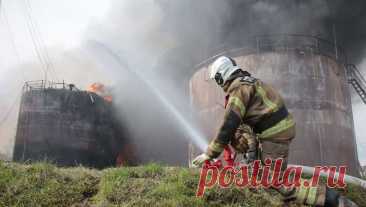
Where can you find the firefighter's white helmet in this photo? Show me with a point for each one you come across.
(222, 68)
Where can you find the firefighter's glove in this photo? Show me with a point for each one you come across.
(251, 156)
(200, 160)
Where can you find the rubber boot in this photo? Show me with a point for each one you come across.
(331, 198)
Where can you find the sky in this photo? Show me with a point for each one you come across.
(63, 25)
(359, 116)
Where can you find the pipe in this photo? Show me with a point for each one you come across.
(347, 178)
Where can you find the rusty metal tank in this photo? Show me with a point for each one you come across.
(310, 74)
(66, 126)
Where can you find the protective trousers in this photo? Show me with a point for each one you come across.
(313, 196)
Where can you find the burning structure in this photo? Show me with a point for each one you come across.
(60, 123)
(311, 75)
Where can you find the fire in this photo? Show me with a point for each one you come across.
(101, 90)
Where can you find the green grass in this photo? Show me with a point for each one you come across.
(43, 184)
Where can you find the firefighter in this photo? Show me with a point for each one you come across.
(252, 102)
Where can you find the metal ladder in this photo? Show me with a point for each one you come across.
(358, 82)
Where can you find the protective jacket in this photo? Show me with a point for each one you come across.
(254, 103)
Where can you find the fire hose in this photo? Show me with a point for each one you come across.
(347, 178)
(229, 158)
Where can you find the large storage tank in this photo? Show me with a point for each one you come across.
(66, 126)
(310, 74)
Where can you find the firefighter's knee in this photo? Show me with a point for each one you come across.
(244, 139)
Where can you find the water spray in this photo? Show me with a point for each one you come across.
(191, 132)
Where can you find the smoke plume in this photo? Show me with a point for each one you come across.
(165, 39)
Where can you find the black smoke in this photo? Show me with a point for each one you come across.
(203, 26)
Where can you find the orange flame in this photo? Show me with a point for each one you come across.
(100, 89)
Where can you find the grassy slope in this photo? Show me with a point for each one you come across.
(151, 185)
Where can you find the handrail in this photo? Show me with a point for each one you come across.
(262, 43)
(42, 85)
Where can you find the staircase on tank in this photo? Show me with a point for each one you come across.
(358, 82)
